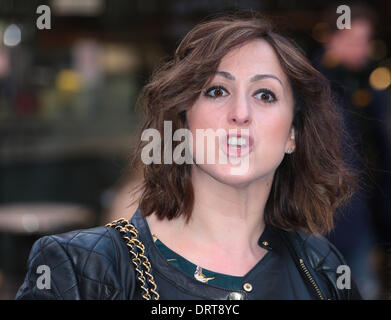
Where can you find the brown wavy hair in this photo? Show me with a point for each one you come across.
(309, 184)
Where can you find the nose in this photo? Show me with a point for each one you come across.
(239, 113)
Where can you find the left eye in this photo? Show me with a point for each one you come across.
(266, 96)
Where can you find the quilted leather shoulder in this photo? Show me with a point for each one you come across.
(320, 251)
(324, 259)
(84, 264)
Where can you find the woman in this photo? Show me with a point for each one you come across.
(204, 230)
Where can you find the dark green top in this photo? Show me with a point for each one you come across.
(217, 279)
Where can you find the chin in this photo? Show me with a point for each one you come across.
(230, 175)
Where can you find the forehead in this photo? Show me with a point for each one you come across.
(255, 56)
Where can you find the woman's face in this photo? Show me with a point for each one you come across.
(250, 93)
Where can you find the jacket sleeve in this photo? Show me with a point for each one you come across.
(50, 273)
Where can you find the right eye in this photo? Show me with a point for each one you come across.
(215, 92)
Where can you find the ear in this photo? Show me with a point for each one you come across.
(291, 144)
(293, 134)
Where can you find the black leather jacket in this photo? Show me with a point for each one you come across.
(95, 264)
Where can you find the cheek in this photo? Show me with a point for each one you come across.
(273, 132)
(201, 117)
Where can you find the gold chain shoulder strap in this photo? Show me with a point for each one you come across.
(136, 249)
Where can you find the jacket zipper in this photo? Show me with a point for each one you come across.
(311, 280)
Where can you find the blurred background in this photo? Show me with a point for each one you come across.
(68, 86)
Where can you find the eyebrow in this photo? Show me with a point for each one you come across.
(257, 77)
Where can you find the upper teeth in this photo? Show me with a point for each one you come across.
(237, 141)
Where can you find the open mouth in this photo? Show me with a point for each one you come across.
(238, 145)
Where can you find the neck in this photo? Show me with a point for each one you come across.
(227, 216)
